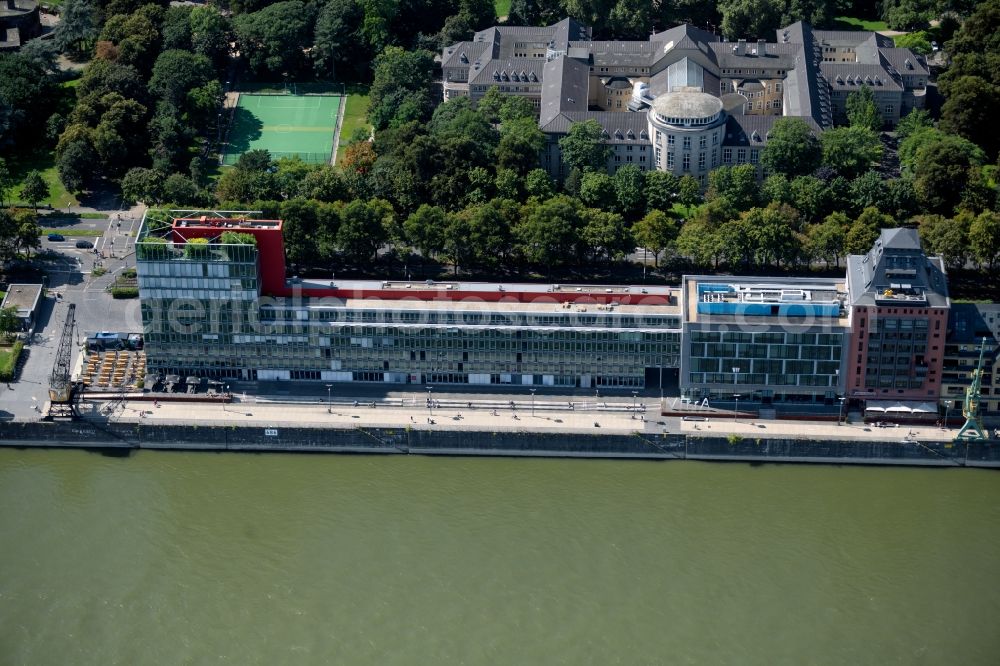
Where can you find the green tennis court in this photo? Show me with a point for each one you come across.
(285, 125)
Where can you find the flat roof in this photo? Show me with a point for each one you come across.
(24, 297)
(820, 290)
(404, 286)
(473, 305)
(206, 222)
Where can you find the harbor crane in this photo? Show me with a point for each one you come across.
(973, 428)
(61, 387)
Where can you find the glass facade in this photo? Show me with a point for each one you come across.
(790, 365)
(203, 315)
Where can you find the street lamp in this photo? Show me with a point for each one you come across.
(634, 406)
(329, 408)
(736, 395)
(533, 402)
(225, 396)
(430, 402)
(840, 414)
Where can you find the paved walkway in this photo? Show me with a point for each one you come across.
(547, 417)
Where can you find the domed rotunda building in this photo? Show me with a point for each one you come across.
(687, 127)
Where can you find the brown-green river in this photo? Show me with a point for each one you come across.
(173, 558)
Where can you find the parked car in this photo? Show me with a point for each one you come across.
(56, 237)
(84, 244)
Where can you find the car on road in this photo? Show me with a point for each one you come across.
(84, 244)
(56, 237)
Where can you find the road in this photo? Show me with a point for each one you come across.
(68, 274)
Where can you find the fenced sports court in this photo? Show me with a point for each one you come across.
(285, 124)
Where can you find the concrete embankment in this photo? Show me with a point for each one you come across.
(379, 440)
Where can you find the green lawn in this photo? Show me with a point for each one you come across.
(70, 231)
(8, 360)
(354, 115)
(852, 23)
(45, 162)
(502, 7)
(683, 211)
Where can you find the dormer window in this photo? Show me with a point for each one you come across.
(644, 135)
(630, 134)
(618, 134)
(496, 75)
(908, 64)
(464, 58)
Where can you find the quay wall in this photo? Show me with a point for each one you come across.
(126, 436)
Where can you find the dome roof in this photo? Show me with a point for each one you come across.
(687, 105)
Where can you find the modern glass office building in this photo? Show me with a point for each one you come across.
(767, 339)
(214, 305)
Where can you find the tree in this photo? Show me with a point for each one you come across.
(34, 189)
(865, 231)
(605, 234)
(980, 32)
(211, 34)
(364, 228)
(548, 231)
(918, 42)
(489, 234)
(75, 164)
(141, 184)
(176, 72)
(969, 112)
(401, 87)
(425, 229)
(661, 190)
(914, 121)
(583, 148)
(520, 144)
(274, 38)
(28, 232)
(689, 191)
(597, 189)
(656, 232)
(25, 99)
(538, 184)
(861, 109)
(6, 181)
(337, 41)
(826, 240)
(749, 19)
(180, 189)
(984, 238)
(792, 148)
(78, 26)
(301, 230)
(9, 322)
(737, 184)
(629, 184)
(948, 238)
(941, 169)
(868, 189)
(851, 150)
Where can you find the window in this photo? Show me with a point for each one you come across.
(670, 139)
(727, 155)
(687, 162)
(701, 161)
(754, 154)
(715, 138)
(888, 108)
(702, 141)
(670, 161)
(687, 143)
(741, 156)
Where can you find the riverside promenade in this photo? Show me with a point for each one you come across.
(546, 417)
(549, 428)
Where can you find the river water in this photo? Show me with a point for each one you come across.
(173, 558)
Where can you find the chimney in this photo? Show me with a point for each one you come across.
(741, 46)
(761, 47)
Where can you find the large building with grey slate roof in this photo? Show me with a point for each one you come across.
(729, 93)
